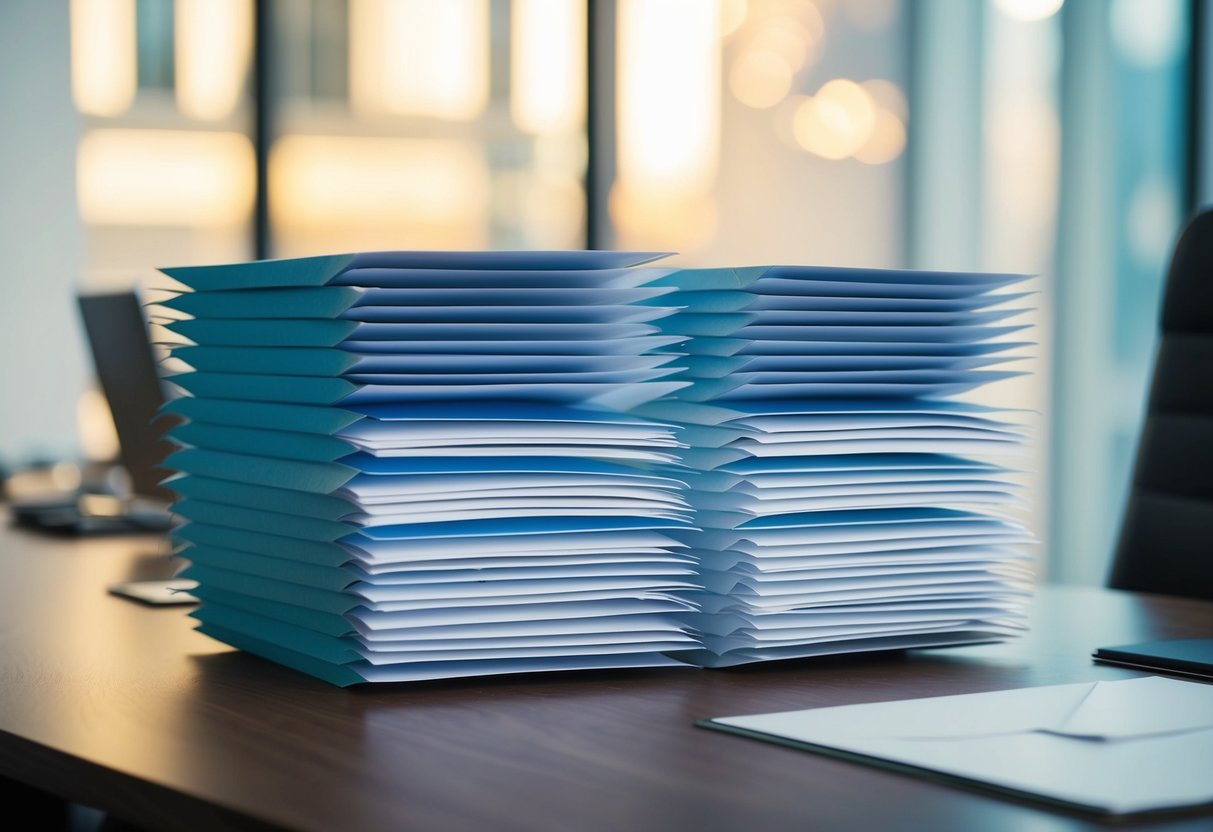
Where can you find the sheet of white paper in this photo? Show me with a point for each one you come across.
(582, 609)
(467, 498)
(1155, 749)
(425, 671)
(576, 626)
(537, 600)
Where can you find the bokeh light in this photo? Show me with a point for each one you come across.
(1029, 11)
(760, 78)
(887, 141)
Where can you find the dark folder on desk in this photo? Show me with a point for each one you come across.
(1186, 657)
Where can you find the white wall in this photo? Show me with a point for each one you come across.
(42, 361)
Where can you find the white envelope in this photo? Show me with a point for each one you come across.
(1120, 747)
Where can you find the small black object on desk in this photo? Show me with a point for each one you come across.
(1182, 657)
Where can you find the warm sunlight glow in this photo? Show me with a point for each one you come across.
(655, 221)
(732, 14)
(760, 78)
(1023, 134)
(348, 179)
(103, 56)
(419, 57)
(668, 95)
(797, 38)
(213, 41)
(888, 96)
(547, 64)
(164, 178)
(886, 142)
(837, 122)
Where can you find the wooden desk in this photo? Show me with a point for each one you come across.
(125, 708)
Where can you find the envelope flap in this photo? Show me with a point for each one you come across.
(1136, 708)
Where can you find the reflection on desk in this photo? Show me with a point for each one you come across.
(125, 708)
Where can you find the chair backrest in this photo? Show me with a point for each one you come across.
(1166, 540)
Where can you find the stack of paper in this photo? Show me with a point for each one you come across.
(842, 505)
(402, 466)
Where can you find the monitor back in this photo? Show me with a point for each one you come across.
(126, 368)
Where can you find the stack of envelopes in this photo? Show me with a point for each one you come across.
(842, 505)
(402, 466)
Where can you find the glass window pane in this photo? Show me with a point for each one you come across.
(762, 132)
(444, 125)
(165, 168)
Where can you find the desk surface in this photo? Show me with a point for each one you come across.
(124, 707)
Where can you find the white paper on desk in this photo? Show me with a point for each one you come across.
(389, 551)
(381, 515)
(441, 575)
(471, 593)
(994, 445)
(775, 580)
(636, 622)
(424, 671)
(495, 562)
(884, 390)
(380, 504)
(506, 498)
(877, 479)
(858, 614)
(1115, 747)
(892, 499)
(537, 602)
(368, 620)
(538, 510)
(778, 551)
(780, 492)
(947, 554)
(973, 591)
(820, 635)
(827, 421)
(370, 489)
(940, 432)
(380, 433)
(395, 659)
(406, 645)
(485, 451)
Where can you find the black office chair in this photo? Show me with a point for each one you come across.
(1166, 541)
